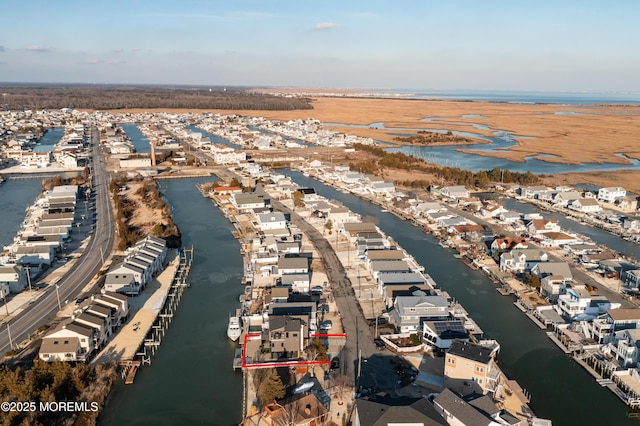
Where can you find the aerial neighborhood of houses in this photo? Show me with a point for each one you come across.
(579, 292)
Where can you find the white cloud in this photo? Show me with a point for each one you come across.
(326, 26)
(36, 48)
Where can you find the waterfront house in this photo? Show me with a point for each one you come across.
(427, 207)
(631, 279)
(69, 341)
(625, 347)
(383, 411)
(369, 241)
(540, 226)
(118, 304)
(629, 202)
(383, 188)
(140, 275)
(293, 265)
(386, 279)
(559, 270)
(305, 310)
(410, 311)
(508, 244)
(557, 239)
(123, 283)
(298, 283)
(509, 217)
(457, 411)
(552, 287)
(564, 198)
(456, 191)
(35, 256)
(492, 210)
(378, 266)
(102, 312)
(245, 202)
(352, 229)
(585, 205)
(13, 278)
(439, 335)
(96, 322)
(227, 190)
(471, 368)
(340, 215)
(632, 223)
(522, 260)
(532, 191)
(298, 410)
(611, 194)
(272, 221)
(578, 304)
(602, 328)
(308, 194)
(385, 254)
(287, 336)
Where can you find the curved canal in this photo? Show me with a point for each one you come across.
(561, 390)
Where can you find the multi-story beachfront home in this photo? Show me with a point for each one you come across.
(531, 191)
(540, 226)
(410, 311)
(508, 244)
(585, 205)
(470, 368)
(557, 239)
(559, 270)
(602, 328)
(456, 191)
(611, 194)
(578, 304)
(631, 279)
(564, 198)
(245, 202)
(552, 287)
(519, 261)
(13, 279)
(272, 221)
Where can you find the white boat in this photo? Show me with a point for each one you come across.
(234, 329)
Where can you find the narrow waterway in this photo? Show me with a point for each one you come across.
(214, 138)
(561, 390)
(15, 196)
(138, 139)
(49, 140)
(191, 380)
(598, 235)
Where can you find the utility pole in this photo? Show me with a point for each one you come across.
(58, 296)
(4, 296)
(29, 277)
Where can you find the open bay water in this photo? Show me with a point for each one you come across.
(560, 389)
(530, 97)
(191, 380)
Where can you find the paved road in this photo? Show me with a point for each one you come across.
(359, 337)
(44, 308)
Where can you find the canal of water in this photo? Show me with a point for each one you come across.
(191, 380)
(561, 390)
(49, 140)
(138, 139)
(15, 196)
(598, 235)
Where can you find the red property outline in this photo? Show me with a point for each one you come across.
(284, 363)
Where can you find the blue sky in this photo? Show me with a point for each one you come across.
(422, 44)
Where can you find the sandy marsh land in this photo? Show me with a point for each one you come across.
(572, 133)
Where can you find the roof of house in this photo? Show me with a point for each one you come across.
(359, 227)
(293, 263)
(554, 268)
(387, 278)
(558, 236)
(381, 411)
(461, 410)
(389, 266)
(387, 254)
(292, 278)
(421, 301)
(470, 351)
(52, 345)
(623, 314)
(286, 322)
(116, 278)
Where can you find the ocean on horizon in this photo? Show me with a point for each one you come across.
(520, 97)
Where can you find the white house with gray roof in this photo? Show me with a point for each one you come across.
(410, 311)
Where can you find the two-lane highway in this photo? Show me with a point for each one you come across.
(44, 308)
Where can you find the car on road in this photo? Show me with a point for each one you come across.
(335, 363)
(326, 325)
(381, 321)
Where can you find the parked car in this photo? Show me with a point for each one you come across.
(317, 289)
(381, 321)
(335, 363)
(379, 343)
(323, 308)
(326, 325)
